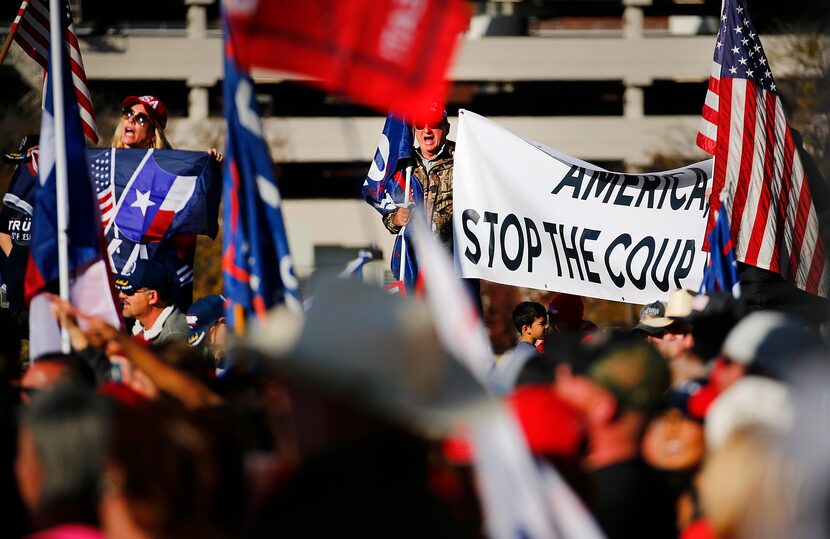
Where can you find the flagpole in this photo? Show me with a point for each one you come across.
(402, 270)
(8, 43)
(56, 53)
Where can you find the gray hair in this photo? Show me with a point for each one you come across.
(70, 429)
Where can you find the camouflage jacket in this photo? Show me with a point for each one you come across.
(437, 196)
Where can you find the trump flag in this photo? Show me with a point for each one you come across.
(388, 54)
(256, 263)
(385, 189)
(90, 284)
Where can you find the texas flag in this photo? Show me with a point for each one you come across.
(151, 201)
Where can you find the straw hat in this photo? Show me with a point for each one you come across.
(373, 350)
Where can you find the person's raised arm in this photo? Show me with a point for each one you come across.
(190, 392)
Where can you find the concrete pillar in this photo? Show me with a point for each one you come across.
(197, 99)
(197, 18)
(633, 18)
(633, 102)
(633, 98)
(197, 103)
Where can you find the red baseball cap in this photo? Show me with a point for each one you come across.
(154, 106)
(550, 426)
(434, 114)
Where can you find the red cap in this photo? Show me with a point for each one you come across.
(550, 426)
(155, 108)
(566, 308)
(434, 114)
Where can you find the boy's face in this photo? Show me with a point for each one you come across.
(540, 325)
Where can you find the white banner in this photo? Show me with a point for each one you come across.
(526, 215)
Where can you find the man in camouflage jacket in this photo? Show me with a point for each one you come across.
(434, 170)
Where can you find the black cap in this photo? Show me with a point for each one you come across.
(22, 153)
(147, 274)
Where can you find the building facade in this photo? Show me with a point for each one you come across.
(616, 82)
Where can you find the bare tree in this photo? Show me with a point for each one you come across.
(806, 91)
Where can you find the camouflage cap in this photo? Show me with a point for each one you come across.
(633, 371)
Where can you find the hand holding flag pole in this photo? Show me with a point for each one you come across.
(390, 186)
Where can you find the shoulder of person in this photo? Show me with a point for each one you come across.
(177, 319)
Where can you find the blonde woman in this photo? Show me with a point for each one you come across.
(142, 124)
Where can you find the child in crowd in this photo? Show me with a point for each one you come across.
(531, 321)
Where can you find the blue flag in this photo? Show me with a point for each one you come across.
(721, 272)
(90, 284)
(385, 189)
(256, 263)
(152, 204)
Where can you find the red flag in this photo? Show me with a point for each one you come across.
(388, 54)
(758, 178)
(31, 32)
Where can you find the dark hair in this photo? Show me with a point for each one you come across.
(559, 348)
(182, 470)
(526, 312)
(186, 359)
(70, 429)
(78, 372)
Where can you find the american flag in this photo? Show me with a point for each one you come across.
(104, 187)
(757, 167)
(31, 32)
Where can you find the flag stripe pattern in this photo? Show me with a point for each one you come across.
(101, 169)
(31, 32)
(759, 179)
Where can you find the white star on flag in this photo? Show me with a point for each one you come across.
(142, 201)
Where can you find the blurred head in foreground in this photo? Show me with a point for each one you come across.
(62, 442)
(366, 399)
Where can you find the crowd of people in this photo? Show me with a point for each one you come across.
(705, 439)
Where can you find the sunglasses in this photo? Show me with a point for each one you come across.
(432, 125)
(132, 292)
(138, 117)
